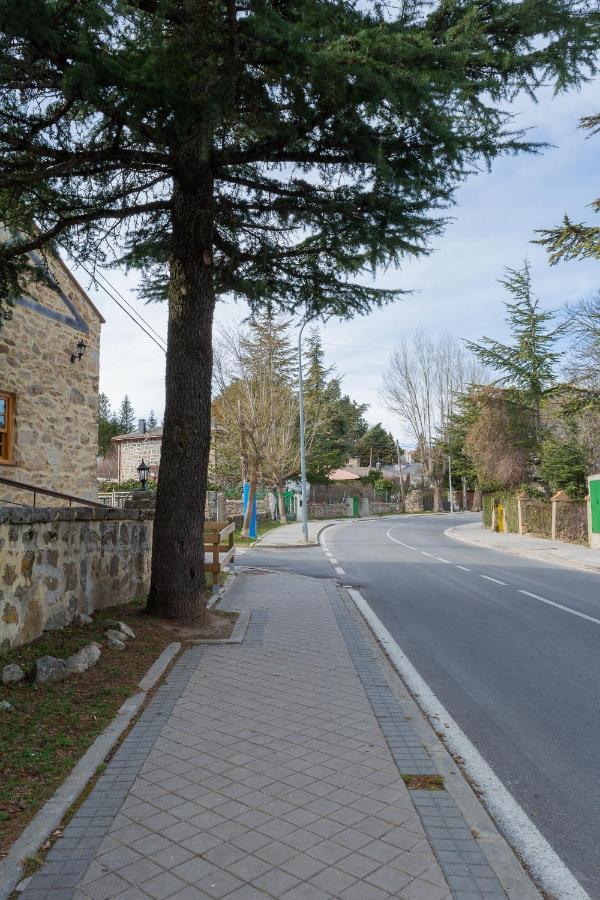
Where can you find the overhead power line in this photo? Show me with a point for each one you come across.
(134, 315)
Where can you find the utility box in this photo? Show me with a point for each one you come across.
(364, 506)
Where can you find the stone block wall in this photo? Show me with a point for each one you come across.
(381, 506)
(326, 510)
(56, 562)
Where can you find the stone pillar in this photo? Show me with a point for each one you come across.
(141, 500)
(363, 509)
(221, 509)
(559, 497)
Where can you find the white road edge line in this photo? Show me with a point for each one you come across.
(396, 541)
(546, 866)
(425, 553)
(464, 568)
(495, 580)
(560, 606)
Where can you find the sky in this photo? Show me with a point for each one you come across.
(455, 289)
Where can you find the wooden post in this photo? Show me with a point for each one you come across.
(521, 498)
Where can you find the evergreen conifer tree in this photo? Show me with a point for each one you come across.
(108, 426)
(152, 422)
(256, 149)
(528, 363)
(126, 416)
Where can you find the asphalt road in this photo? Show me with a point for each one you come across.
(519, 675)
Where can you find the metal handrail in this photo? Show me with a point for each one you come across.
(32, 488)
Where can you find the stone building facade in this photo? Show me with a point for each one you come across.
(146, 445)
(132, 448)
(48, 395)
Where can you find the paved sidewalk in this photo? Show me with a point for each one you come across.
(573, 555)
(291, 535)
(271, 769)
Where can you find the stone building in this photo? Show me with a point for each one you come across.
(146, 445)
(132, 448)
(49, 361)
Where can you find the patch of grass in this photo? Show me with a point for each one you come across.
(423, 782)
(51, 727)
(261, 529)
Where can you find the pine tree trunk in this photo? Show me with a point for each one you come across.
(177, 588)
(437, 496)
(248, 514)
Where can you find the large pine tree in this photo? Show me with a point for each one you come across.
(271, 150)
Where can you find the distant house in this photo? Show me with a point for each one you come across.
(132, 448)
(142, 444)
(349, 472)
(49, 362)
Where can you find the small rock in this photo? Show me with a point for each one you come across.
(4, 704)
(116, 635)
(114, 642)
(126, 630)
(50, 669)
(82, 619)
(82, 660)
(12, 673)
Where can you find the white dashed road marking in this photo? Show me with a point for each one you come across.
(339, 570)
(441, 559)
(425, 553)
(560, 606)
(464, 568)
(495, 580)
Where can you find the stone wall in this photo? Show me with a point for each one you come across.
(380, 506)
(56, 434)
(326, 510)
(414, 500)
(56, 562)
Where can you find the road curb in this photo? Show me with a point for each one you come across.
(53, 811)
(527, 554)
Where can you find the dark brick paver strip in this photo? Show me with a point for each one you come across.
(270, 770)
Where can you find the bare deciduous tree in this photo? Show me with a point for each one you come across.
(256, 408)
(421, 384)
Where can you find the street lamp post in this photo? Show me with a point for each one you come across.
(302, 437)
(450, 484)
(400, 472)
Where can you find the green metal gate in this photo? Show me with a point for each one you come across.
(595, 504)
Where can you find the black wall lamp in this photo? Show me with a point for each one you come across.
(81, 348)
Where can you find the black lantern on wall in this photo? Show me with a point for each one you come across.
(143, 472)
(81, 348)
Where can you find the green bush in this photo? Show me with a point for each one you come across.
(132, 484)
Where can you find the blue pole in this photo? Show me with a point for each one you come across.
(252, 530)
